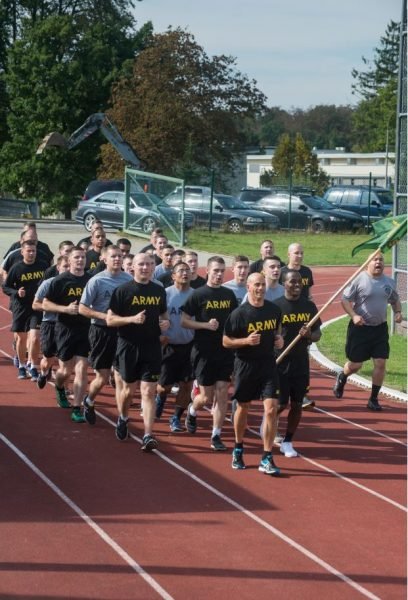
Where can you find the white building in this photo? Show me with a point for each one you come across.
(341, 167)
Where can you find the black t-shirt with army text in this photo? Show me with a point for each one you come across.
(247, 319)
(28, 276)
(132, 298)
(65, 289)
(295, 314)
(207, 303)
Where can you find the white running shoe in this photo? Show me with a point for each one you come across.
(288, 450)
(278, 438)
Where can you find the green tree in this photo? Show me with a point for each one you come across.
(181, 109)
(375, 115)
(294, 158)
(60, 71)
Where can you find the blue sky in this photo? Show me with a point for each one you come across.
(300, 52)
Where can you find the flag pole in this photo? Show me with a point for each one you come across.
(331, 300)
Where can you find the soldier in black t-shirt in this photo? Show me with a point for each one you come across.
(71, 330)
(295, 260)
(21, 284)
(253, 331)
(93, 255)
(139, 310)
(206, 311)
(297, 312)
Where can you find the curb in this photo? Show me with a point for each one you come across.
(333, 367)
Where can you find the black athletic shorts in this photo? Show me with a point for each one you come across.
(254, 380)
(293, 388)
(176, 364)
(138, 363)
(102, 342)
(47, 339)
(25, 319)
(208, 369)
(71, 341)
(364, 342)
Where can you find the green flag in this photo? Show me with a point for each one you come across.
(387, 232)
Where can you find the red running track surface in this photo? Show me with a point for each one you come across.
(84, 516)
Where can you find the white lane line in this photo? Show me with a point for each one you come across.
(5, 327)
(322, 563)
(97, 529)
(6, 309)
(384, 435)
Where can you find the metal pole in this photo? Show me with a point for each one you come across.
(290, 200)
(369, 201)
(211, 199)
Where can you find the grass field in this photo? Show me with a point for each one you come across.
(332, 345)
(320, 249)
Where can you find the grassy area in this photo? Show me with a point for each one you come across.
(320, 249)
(332, 346)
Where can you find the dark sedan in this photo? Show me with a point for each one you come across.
(147, 211)
(309, 212)
(228, 212)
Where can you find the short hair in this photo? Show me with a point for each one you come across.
(60, 259)
(168, 247)
(286, 274)
(157, 231)
(273, 257)
(182, 263)
(129, 256)
(65, 243)
(179, 252)
(240, 258)
(28, 243)
(215, 259)
(75, 249)
(267, 242)
(98, 229)
(191, 253)
(30, 225)
(23, 233)
(123, 241)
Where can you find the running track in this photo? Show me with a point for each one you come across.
(84, 516)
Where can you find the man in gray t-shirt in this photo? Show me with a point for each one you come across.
(94, 304)
(365, 300)
(240, 270)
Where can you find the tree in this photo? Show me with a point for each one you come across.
(375, 115)
(294, 159)
(59, 71)
(180, 109)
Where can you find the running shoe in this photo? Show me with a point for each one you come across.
(121, 430)
(278, 439)
(160, 402)
(217, 444)
(308, 404)
(22, 373)
(89, 412)
(175, 389)
(33, 374)
(41, 381)
(373, 404)
(267, 466)
(76, 415)
(237, 459)
(175, 425)
(149, 443)
(190, 422)
(339, 385)
(62, 399)
(288, 450)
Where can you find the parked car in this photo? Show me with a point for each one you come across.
(228, 212)
(146, 211)
(251, 195)
(98, 186)
(309, 212)
(355, 198)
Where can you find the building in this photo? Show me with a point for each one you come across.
(342, 167)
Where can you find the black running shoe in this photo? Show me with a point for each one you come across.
(89, 413)
(190, 422)
(339, 385)
(216, 444)
(237, 459)
(41, 381)
(373, 404)
(121, 431)
(149, 443)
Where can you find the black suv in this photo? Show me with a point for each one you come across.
(355, 198)
(309, 212)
